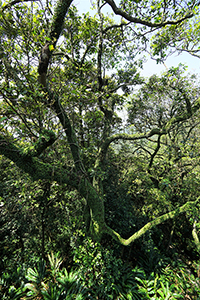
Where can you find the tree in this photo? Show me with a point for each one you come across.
(67, 94)
(179, 39)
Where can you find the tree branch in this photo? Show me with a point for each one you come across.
(138, 136)
(126, 16)
(150, 225)
(115, 26)
(129, 137)
(46, 139)
(69, 131)
(195, 236)
(16, 2)
(54, 34)
(154, 154)
(40, 170)
(33, 166)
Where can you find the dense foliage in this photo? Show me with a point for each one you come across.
(94, 205)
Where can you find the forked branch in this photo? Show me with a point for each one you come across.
(151, 224)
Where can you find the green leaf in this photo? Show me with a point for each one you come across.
(51, 47)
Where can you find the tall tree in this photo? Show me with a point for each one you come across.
(68, 92)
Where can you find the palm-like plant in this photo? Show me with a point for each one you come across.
(53, 283)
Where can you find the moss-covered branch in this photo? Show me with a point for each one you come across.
(78, 180)
(54, 34)
(46, 139)
(70, 133)
(155, 131)
(39, 170)
(183, 117)
(150, 225)
(81, 182)
(33, 166)
(125, 137)
(195, 237)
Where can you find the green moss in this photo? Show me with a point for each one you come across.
(151, 224)
(58, 19)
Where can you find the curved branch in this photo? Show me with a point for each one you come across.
(184, 117)
(128, 137)
(40, 170)
(151, 224)
(33, 166)
(126, 16)
(115, 26)
(155, 152)
(12, 3)
(155, 131)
